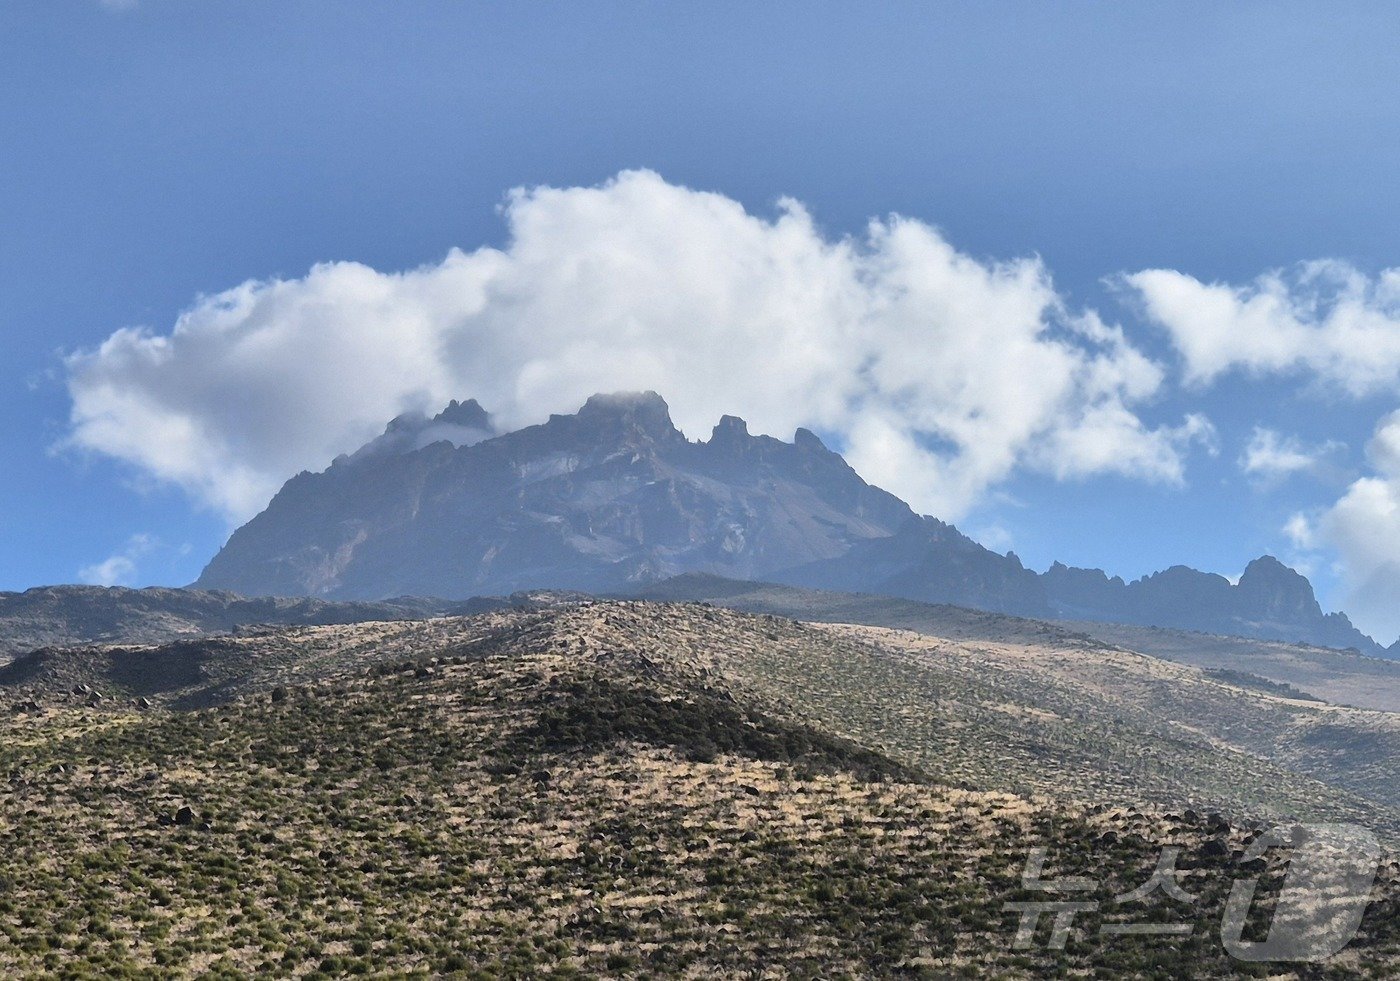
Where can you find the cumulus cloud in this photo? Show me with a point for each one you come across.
(1362, 529)
(1333, 326)
(1325, 319)
(1270, 455)
(118, 569)
(939, 374)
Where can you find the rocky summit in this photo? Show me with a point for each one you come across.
(1271, 602)
(614, 498)
(601, 500)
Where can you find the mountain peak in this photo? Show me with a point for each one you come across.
(468, 414)
(1269, 589)
(731, 425)
(461, 424)
(614, 495)
(644, 413)
(805, 439)
(596, 500)
(731, 433)
(1269, 568)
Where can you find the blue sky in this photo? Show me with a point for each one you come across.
(158, 152)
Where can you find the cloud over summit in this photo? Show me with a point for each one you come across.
(938, 374)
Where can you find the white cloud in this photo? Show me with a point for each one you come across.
(938, 373)
(1300, 529)
(1363, 530)
(1326, 319)
(994, 536)
(1108, 438)
(1270, 455)
(118, 569)
(1327, 322)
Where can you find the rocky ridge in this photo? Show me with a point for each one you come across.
(615, 497)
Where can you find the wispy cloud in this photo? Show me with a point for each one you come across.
(1270, 456)
(120, 568)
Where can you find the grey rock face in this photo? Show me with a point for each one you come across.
(1271, 602)
(460, 424)
(929, 560)
(610, 496)
(614, 497)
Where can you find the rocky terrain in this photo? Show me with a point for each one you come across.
(54, 616)
(1270, 602)
(632, 789)
(1344, 677)
(614, 498)
(612, 495)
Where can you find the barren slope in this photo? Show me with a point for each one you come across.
(611, 789)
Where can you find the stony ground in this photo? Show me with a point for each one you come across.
(611, 789)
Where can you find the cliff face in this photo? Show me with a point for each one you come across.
(610, 496)
(931, 561)
(614, 497)
(1271, 602)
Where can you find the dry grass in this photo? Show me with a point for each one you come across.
(612, 789)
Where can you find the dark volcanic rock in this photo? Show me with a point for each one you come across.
(931, 561)
(1270, 602)
(614, 498)
(1214, 848)
(1269, 590)
(607, 498)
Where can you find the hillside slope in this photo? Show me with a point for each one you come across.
(1338, 676)
(1042, 711)
(602, 790)
(55, 616)
(1298, 670)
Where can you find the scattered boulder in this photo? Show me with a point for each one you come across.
(184, 816)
